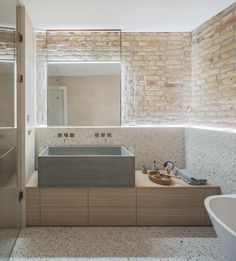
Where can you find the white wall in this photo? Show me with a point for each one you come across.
(26, 102)
(30, 101)
(93, 100)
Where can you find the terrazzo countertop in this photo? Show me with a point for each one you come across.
(117, 243)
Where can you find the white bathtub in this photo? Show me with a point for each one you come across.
(222, 212)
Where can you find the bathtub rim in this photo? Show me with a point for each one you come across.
(41, 154)
(212, 214)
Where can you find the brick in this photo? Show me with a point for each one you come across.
(213, 67)
(166, 77)
(170, 85)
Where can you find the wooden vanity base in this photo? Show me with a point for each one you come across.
(145, 204)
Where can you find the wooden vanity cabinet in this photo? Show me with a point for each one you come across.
(145, 204)
(56, 206)
(175, 206)
(64, 206)
(32, 206)
(112, 206)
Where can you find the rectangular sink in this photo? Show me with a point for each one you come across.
(84, 166)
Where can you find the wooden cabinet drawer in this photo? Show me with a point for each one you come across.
(170, 216)
(173, 206)
(64, 216)
(109, 216)
(32, 207)
(112, 197)
(66, 197)
(181, 197)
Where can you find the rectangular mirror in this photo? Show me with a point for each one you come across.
(7, 93)
(83, 94)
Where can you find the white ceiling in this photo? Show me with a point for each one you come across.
(83, 69)
(127, 15)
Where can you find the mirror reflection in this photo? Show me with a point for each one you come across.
(83, 94)
(7, 94)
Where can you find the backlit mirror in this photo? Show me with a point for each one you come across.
(83, 94)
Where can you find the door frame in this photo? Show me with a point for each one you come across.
(64, 89)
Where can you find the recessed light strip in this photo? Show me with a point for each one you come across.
(84, 62)
(83, 30)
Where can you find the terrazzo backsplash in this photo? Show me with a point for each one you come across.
(146, 143)
(212, 154)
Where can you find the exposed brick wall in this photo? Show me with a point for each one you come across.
(213, 79)
(7, 44)
(156, 78)
(83, 46)
(166, 77)
(155, 70)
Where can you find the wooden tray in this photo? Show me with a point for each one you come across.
(159, 178)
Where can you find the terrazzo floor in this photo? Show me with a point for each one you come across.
(7, 240)
(117, 243)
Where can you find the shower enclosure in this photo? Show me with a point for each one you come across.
(9, 180)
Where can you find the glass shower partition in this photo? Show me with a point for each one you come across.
(9, 179)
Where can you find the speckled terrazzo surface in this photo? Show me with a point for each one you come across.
(117, 243)
(7, 240)
(213, 155)
(147, 143)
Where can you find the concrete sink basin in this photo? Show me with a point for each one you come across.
(84, 166)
